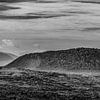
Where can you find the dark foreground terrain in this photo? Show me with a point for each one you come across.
(38, 85)
(25, 78)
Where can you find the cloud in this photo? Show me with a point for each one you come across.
(8, 43)
(5, 43)
(37, 48)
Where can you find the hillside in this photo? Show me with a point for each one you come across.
(62, 60)
(6, 58)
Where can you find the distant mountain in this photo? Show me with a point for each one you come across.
(6, 58)
(63, 60)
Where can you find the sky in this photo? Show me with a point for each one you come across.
(39, 26)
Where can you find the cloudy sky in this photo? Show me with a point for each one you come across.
(38, 26)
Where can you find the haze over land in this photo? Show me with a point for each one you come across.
(6, 58)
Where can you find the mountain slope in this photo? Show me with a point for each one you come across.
(62, 60)
(6, 58)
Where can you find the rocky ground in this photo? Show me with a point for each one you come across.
(39, 85)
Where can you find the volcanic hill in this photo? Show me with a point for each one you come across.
(64, 60)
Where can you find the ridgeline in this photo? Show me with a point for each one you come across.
(71, 59)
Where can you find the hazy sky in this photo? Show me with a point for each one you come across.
(29, 27)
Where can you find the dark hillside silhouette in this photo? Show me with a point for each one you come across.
(71, 59)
